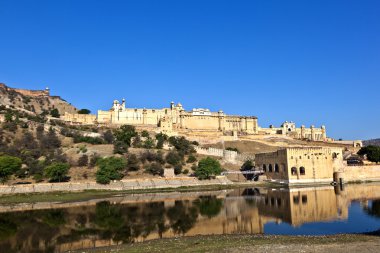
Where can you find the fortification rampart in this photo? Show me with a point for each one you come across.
(228, 155)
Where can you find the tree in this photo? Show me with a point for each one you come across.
(145, 134)
(372, 153)
(173, 158)
(207, 168)
(84, 111)
(55, 113)
(123, 138)
(8, 116)
(191, 159)
(247, 165)
(50, 140)
(148, 143)
(110, 169)
(133, 163)
(155, 169)
(8, 166)
(161, 138)
(57, 171)
(108, 136)
(182, 145)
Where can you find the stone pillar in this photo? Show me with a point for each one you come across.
(302, 132)
(181, 119)
(221, 120)
(312, 133)
(324, 137)
(145, 116)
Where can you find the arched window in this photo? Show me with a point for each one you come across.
(334, 155)
(276, 168)
(264, 168)
(294, 171)
(270, 168)
(302, 171)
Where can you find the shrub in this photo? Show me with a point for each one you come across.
(93, 160)
(123, 138)
(54, 113)
(185, 171)
(84, 111)
(247, 165)
(161, 138)
(173, 158)
(110, 169)
(372, 153)
(133, 163)
(145, 134)
(92, 140)
(148, 156)
(148, 143)
(108, 136)
(83, 160)
(177, 169)
(191, 159)
(57, 171)
(207, 168)
(8, 166)
(155, 169)
(182, 145)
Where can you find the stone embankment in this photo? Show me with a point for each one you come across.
(228, 155)
(122, 185)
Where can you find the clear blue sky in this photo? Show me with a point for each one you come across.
(312, 62)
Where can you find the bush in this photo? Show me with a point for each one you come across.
(178, 169)
(155, 169)
(55, 113)
(185, 171)
(372, 153)
(191, 159)
(145, 134)
(87, 139)
(148, 143)
(161, 138)
(207, 168)
(84, 111)
(93, 160)
(110, 169)
(57, 171)
(173, 158)
(8, 166)
(123, 138)
(83, 161)
(247, 165)
(182, 145)
(133, 163)
(108, 137)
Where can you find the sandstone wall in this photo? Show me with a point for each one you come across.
(361, 173)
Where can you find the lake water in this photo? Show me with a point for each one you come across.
(59, 227)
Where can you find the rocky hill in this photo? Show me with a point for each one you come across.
(33, 101)
(375, 142)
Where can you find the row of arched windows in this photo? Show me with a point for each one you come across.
(271, 168)
(294, 171)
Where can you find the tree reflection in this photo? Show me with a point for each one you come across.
(182, 217)
(209, 206)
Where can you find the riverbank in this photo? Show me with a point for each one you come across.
(254, 243)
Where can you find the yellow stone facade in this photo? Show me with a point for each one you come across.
(299, 165)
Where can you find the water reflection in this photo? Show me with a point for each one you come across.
(135, 218)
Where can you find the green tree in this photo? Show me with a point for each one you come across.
(83, 160)
(8, 116)
(191, 159)
(161, 138)
(110, 168)
(155, 169)
(8, 166)
(372, 153)
(247, 165)
(55, 113)
(133, 163)
(123, 138)
(209, 206)
(173, 158)
(207, 168)
(57, 172)
(148, 143)
(84, 111)
(145, 134)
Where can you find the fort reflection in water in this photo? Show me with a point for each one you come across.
(59, 227)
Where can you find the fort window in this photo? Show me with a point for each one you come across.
(276, 168)
(266, 201)
(296, 200)
(294, 171)
(334, 155)
(304, 199)
(272, 201)
(264, 168)
(302, 170)
(278, 202)
(270, 168)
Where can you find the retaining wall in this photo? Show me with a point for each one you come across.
(123, 185)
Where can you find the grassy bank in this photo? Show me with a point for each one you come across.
(253, 243)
